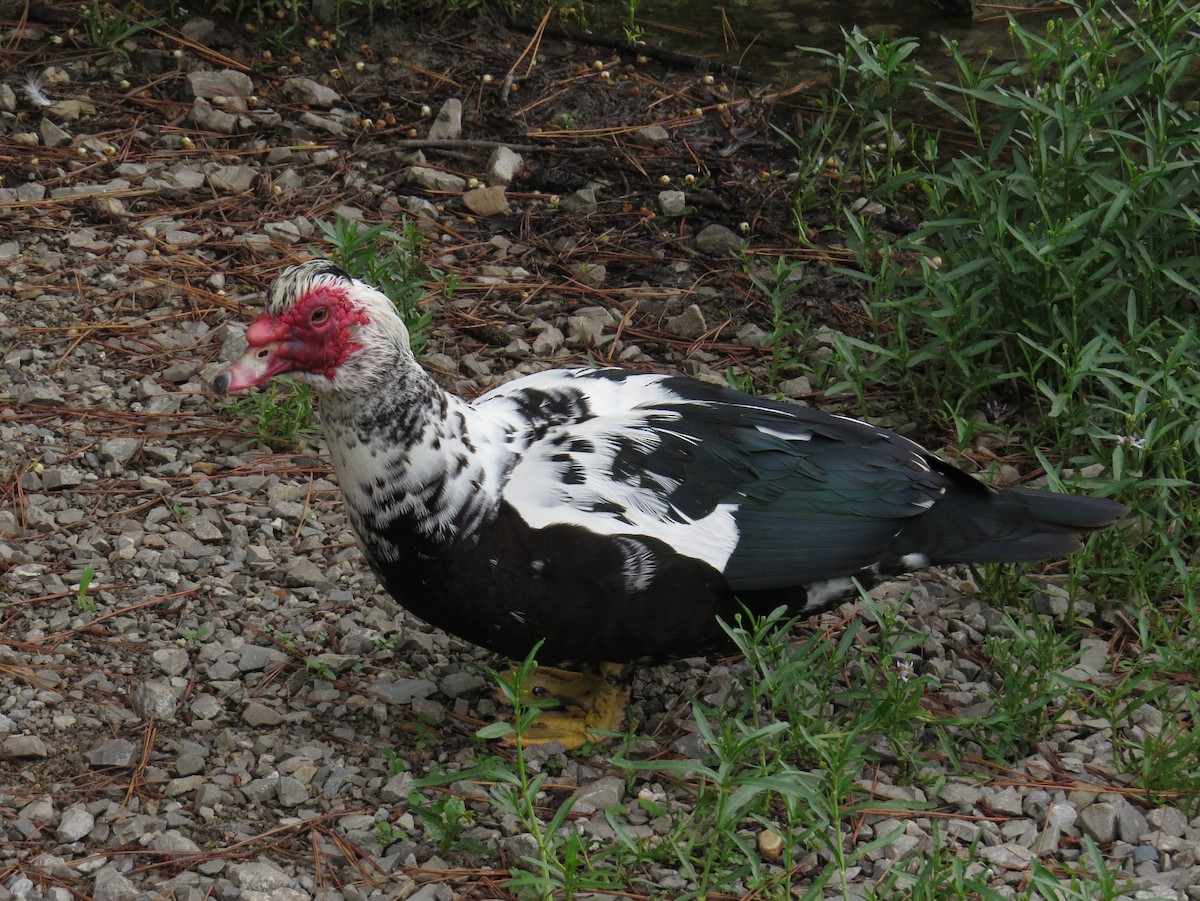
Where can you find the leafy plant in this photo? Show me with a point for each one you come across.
(282, 412)
(107, 28)
(855, 140)
(387, 833)
(780, 283)
(389, 261)
(83, 601)
(445, 820)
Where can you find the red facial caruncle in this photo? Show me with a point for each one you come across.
(315, 335)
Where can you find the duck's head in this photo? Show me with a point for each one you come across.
(322, 327)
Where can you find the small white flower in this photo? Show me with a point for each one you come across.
(904, 670)
(34, 89)
(1132, 441)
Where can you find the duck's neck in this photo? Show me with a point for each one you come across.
(410, 455)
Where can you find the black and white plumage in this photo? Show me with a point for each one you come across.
(617, 514)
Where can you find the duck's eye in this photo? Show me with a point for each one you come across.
(263, 354)
(319, 315)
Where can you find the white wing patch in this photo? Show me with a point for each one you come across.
(639, 566)
(553, 484)
(786, 436)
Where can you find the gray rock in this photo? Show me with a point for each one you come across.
(489, 201)
(257, 876)
(517, 848)
(65, 476)
(503, 167)
(688, 324)
(254, 657)
(198, 29)
(310, 93)
(692, 746)
(433, 891)
(175, 842)
(581, 202)
(76, 822)
(1099, 820)
(259, 714)
(232, 179)
(586, 329)
(188, 763)
(964, 797)
(302, 572)
(1131, 825)
(1008, 856)
(118, 450)
(23, 746)
(183, 785)
(291, 791)
(116, 752)
(548, 341)
(8, 99)
(263, 789)
(53, 135)
(717, 240)
(650, 136)
(673, 203)
(434, 179)
(224, 83)
(458, 684)
(600, 795)
(259, 555)
(171, 661)
(398, 788)
(447, 125)
(1144, 854)
(71, 110)
(154, 698)
(1093, 654)
(1006, 802)
(42, 393)
(324, 123)
(40, 810)
(205, 115)
(1168, 820)
(800, 386)
(109, 885)
(590, 273)
(402, 691)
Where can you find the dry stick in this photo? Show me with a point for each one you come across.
(531, 51)
(139, 771)
(236, 849)
(59, 637)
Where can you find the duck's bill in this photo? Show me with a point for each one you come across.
(256, 365)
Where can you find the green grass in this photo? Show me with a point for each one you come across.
(108, 27)
(389, 261)
(84, 602)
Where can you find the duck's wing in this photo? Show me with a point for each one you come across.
(769, 494)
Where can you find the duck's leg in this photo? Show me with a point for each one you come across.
(589, 704)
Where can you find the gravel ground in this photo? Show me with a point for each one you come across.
(217, 715)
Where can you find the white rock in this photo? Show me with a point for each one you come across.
(309, 92)
(447, 126)
(503, 166)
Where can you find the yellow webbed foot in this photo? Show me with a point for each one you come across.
(589, 704)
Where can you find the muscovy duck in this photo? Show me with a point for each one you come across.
(614, 514)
